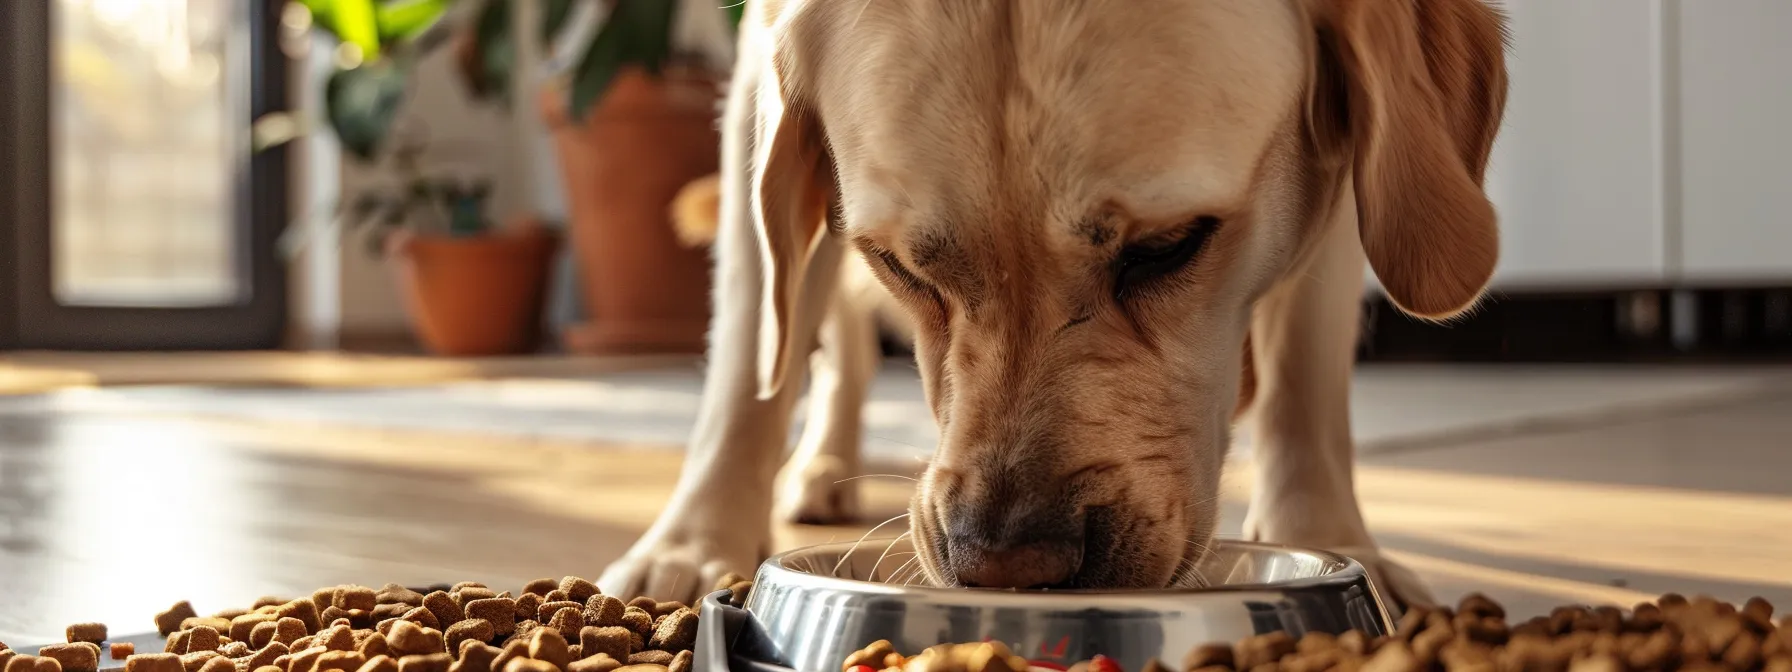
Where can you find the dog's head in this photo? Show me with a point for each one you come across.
(1078, 201)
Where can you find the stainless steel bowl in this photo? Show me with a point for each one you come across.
(817, 605)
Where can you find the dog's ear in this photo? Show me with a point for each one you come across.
(792, 186)
(1414, 90)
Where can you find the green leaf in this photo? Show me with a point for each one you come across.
(637, 32)
(406, 19)
(554, 14)
(496, 46)
(497, 52)
(650, 23)
(598, 67)
(323, 14)
(355, 24)
(361, 103)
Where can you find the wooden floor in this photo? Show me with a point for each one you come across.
(32, 372)
(111, 515)
(114, 518)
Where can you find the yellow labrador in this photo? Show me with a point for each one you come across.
(1112, 225)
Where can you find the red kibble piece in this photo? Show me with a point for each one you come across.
(1104, 664)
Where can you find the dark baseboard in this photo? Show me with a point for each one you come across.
(1706, 326)
(1693, 326)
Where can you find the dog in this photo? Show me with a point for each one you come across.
(1113, 228)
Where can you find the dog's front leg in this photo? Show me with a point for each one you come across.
(718, 520)
(1303, 335)
(818, 485)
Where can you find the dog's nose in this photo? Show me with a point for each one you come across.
(1035, 565)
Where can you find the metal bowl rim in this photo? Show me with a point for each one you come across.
(1349, 570)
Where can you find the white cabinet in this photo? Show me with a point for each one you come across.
(1577, 170)
(1647, 143)
(1735, 107)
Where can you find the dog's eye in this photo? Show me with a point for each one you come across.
(1142, 262)
(898, 271)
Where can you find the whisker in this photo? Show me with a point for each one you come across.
(855, 545)
(896, 576)
(1209, 500)
(900, 443)
(886, 578)
(854, 478)
(887, 547)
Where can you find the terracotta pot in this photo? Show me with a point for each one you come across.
(476, 296)
(623, 165)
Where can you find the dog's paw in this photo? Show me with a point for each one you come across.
(1400, 586)
(678, 567)
(819, 490)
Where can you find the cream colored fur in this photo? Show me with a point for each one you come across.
(989, 162)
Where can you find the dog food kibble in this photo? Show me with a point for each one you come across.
(397, 629)
(597, 663)
(74, 657)
(474, 657)
(1670, 635)
(23, 663)
(393, 593)
(169, 621)
(577, 589)
(676, 632)
(603, 610)
(650, 657)
(465, 595)
(356, 597)
(524, 630)
(498, 612)
(337, 638)
(529, 665)
(93, 633)
(547, 645)
(639, 621)
(613, 641)
(389, 611)
(153, 662)
(546, 611)
(375, 645)
(435, 662)
(192, 661)
(446, 611)
(568, 621)
(475, 629)
(527, 606)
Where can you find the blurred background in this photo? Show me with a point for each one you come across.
(304, 293)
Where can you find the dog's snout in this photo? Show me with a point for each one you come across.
(1034, 565)
(1027, 544)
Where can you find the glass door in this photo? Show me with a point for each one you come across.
(133, 214)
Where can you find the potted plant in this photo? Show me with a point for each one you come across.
(633, 120)
(470, 288)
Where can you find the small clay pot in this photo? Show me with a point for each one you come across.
(478, 295)
(622, 165)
